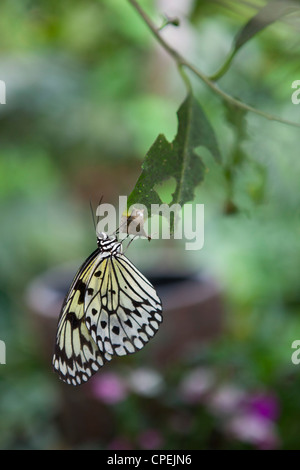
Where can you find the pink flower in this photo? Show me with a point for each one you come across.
(196, 384)
(264, 405)
(145, 381)
(255, 430)
(109, 388)
(150, 439)
(226, 400)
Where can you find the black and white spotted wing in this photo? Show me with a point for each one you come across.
(111, 309)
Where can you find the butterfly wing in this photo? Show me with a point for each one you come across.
(111, 308)
(126, 311)
(76, 356)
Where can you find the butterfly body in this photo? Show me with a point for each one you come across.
(110, 309)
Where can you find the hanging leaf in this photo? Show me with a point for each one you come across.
(271, 12)
(178, 159)
(236, 117)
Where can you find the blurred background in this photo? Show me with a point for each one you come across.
(88, 91)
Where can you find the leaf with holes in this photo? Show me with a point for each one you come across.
(179, 159)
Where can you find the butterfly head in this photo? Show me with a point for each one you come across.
(109, 245)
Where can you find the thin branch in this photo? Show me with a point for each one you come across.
(182, 62)
(155, 31)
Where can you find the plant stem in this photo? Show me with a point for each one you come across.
(182, 62)
(176, 56)
(216, 76)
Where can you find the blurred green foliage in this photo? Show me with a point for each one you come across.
(88, 91)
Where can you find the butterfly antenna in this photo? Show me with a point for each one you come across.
(126, 222)
(94, 220)
(93, 216)
(130, 241)
(99, 204)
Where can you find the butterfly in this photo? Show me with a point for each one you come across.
(111, 309)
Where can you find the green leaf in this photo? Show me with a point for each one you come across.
(271, 12)
(236, 117)
(179, 159)
(267, 15)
